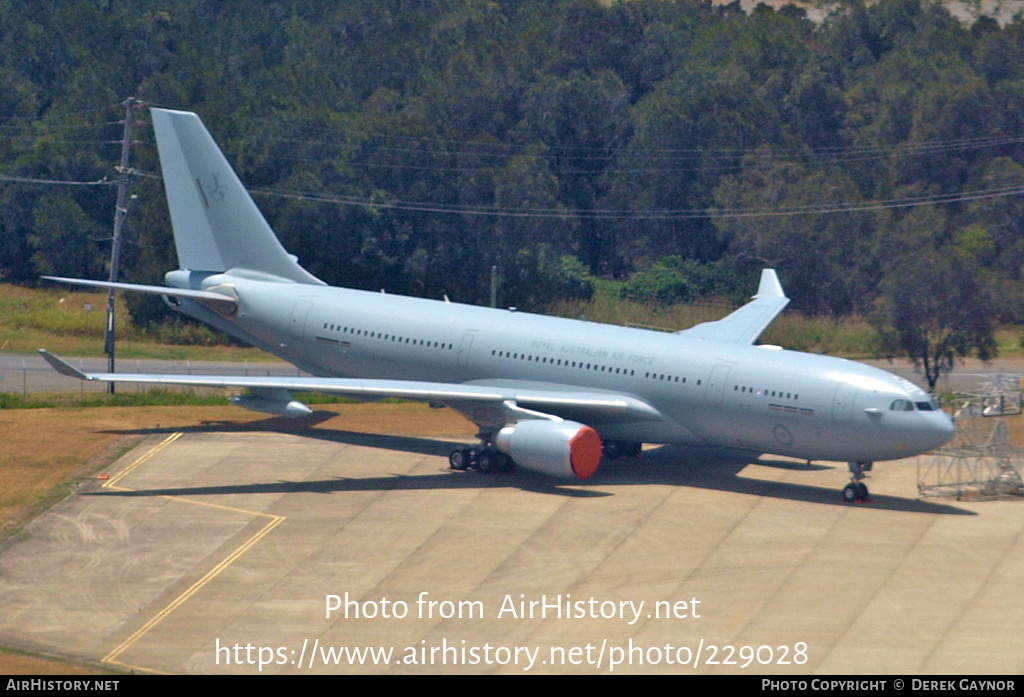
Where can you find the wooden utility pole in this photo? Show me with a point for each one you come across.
(121, 210)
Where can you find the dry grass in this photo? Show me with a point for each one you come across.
(12, 663)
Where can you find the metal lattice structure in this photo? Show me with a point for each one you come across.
(981, 462)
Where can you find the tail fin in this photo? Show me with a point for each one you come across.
(217, 226)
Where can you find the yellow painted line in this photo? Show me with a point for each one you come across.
(111, 483)
(274, 521)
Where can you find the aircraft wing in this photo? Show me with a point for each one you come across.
(746, 324)
(599, 407)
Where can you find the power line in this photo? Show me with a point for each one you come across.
(366, 150)
(61, 182)
(477, 156)
(60, 130)
(765, 154)
(653, 214)
(456, 147)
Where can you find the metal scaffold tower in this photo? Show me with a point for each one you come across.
(981, 462)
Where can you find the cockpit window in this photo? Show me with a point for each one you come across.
(928, 406)
(901, 405)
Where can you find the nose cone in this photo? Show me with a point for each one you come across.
(922, 433)
(941, 430)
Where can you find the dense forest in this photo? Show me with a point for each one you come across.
(876, 159)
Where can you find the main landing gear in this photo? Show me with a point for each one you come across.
(619, 448)
(486, 459)
(857, 490)
(482, 458)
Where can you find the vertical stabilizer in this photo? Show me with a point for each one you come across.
(217, 226)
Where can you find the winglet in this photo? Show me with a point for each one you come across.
(63, 367)
(746, 324)
(770, 286)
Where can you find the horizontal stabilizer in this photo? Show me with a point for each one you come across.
(223, 303)
(746, 324)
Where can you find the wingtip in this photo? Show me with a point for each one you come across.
(62, 367)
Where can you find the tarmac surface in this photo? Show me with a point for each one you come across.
(219, 552)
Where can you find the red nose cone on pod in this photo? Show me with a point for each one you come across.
(585, 452)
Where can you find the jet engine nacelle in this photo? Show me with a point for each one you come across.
(562, 449)
(278, 407)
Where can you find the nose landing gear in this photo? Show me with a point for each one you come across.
(857, 490)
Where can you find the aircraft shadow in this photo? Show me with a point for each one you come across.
(445, 478)
(303, 427)
(720, 470)
(701, 468)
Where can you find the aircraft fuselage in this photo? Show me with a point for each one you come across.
(756, 398)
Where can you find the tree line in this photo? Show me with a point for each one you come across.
(874, 159)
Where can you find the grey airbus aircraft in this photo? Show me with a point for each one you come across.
(548, 394)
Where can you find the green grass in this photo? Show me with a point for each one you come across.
(73, 323)
(848, 337)
(156, 397)
(851, 337)
(1010, 342)
(153, 397)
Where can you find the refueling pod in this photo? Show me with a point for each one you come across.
(276, 402)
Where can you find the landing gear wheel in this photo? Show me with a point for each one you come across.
(459, 459)
(857, 490)
(505, 463)
(486, 462)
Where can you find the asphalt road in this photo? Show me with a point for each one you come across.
(30, 374)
